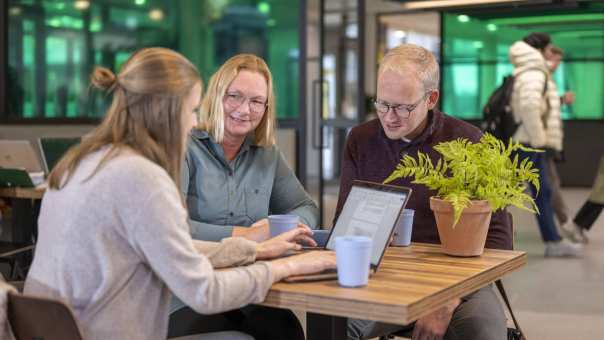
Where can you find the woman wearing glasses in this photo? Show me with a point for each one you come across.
(235, 176)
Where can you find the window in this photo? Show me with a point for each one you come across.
(475, 53)
(53, 46)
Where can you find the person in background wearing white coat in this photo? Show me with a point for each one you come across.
(532, 102)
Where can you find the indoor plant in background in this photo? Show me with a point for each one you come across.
(471, 180)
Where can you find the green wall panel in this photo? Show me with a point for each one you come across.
(475, 57)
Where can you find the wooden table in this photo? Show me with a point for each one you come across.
(23, 193)
(410, 283)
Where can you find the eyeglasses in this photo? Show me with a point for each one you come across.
(236, 99)
(402, 110)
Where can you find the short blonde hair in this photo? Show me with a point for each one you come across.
(405, 56)
(212, 110)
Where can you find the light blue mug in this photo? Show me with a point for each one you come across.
(279, 224)
(404, 228)
(353, 254)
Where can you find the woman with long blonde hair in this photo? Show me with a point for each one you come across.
(114, 235)
(235, 176)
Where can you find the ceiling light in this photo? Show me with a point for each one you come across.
(14, 11)
(81, 4)
(454, 3)
(156, 14)
(400, 34)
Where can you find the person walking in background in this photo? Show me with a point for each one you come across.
(555, 136)
(531, 103)
(591, 209)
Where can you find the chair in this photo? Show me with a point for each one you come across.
(10, 252)
(35, 318)
(405, 334)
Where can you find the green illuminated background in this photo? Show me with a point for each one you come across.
(53, 46)
(475, 57)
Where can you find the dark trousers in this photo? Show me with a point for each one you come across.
(588, 214)
(479, 316)
(263, 323)
(543, 197)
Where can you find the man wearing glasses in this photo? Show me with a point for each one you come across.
(408, 122)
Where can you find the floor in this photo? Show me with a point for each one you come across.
(559, 298)
(552, 298)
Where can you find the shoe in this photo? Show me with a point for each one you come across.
(574, 233)
(563, 248)
(579, 235)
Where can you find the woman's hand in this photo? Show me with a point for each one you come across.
(258, 231)
(285, 242)
(306, 263)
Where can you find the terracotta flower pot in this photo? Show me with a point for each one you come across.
(468, 237)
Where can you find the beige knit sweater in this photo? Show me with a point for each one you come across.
(113, 247)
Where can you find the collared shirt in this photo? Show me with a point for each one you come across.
(222, 194)
(371, 156)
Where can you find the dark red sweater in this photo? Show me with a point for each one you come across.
(371, 156)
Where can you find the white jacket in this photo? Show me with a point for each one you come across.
(540, 124)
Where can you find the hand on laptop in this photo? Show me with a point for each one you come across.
(285, 242)
(258, 231)
(306, 263)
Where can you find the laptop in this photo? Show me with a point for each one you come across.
(19, 154)
(371, 209)
(53, 149)
(10, 178)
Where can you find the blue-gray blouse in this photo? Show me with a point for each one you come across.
(222, 194)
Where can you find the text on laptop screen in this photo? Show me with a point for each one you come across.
(369, 212)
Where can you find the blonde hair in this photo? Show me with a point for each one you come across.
(146, 114)
(422, 62)
(212, 110)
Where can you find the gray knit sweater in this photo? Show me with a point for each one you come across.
(112, 246)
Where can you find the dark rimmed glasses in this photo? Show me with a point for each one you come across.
(402, 110)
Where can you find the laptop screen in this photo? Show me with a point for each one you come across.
(370, 211)
(53, 149)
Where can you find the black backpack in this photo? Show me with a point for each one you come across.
(497, 112)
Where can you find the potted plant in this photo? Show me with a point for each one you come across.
(472, 180)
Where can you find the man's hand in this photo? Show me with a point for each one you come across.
(434, 325)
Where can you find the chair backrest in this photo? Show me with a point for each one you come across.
(35, 318)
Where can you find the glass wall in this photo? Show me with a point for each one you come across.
(421, 28)
(475, 53)
(53, 45)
